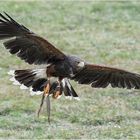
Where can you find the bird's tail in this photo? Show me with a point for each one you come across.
(68, 90)
(36, 79)
(33, 79)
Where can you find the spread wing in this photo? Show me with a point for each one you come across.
(100, 76)
(25, 44)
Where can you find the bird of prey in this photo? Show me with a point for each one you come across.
(34, 49)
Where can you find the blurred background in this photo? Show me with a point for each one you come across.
(101, 32)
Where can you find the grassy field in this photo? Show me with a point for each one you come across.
(106, 33)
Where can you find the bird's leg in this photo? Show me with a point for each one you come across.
(47, 87)
(58, 90)
(45, 94)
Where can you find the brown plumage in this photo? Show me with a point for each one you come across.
(34, 49)
(27, 45)
(101, 77)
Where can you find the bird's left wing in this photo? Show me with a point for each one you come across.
(30, 47)
(100, 76)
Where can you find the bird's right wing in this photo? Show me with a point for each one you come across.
(101, 76)
(30, 47)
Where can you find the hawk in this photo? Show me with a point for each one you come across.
(34, 49)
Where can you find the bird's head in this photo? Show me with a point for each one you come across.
(76, 63)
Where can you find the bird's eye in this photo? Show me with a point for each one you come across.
(80, 64)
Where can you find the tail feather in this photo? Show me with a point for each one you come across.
(37, 79)
(69, 91)
(26, 77)
(39, 84)
(29, 78)
(74, 94)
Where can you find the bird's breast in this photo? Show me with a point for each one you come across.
(60, 69)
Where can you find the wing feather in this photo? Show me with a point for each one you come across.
(101, 77)
(30, 47)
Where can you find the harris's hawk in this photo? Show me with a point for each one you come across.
(34, 49)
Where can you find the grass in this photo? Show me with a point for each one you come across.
(100, 32)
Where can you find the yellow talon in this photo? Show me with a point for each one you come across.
(47, 89)
(56, 94)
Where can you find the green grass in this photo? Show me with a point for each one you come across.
(100, 32)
